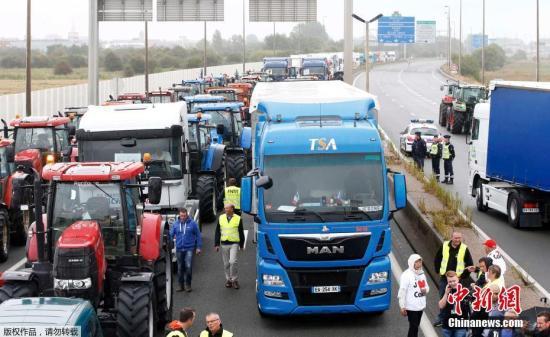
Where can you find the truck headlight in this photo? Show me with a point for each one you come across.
(72, 284)
(273, 280)
(379, 277)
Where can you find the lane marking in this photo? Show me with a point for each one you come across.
(425, 324)
(17, 264)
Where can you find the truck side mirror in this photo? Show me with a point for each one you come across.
(246, 194)
(399, 190)
(154, 188)
(264, 182)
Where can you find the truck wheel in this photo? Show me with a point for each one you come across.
(458, 123)
(513, 208)
(4, 235)
(478, 192)
(206, 189)
(136, 310)
(235, 166)
(442, 114)
(163, 283)
(17, 290)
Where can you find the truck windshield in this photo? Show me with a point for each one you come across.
(313, 71)
(34, 138)
(165, 153)
(324, 187)
(94, 201)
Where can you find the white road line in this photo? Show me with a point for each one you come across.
(425, 325)
(412, 91)
(245, 237)
(17, 264)
(437, 79)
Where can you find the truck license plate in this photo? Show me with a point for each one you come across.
(325, 289)
(530, 210)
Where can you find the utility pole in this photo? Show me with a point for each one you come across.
(348, 41)
(449, 57)
(146, 60)
(28, 89)
(483, 48)
(244, 38)
(367, 58)
(460, 42)
(273, 38)
(204, 55)
(538, 45)
(93, 46)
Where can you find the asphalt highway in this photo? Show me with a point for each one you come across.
(408, 91)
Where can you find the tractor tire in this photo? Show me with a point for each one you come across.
(136, 310)
(163, 283)
(17, 290)
(4, 235)
(206, 190)
(458, 123)
(443, 114)
(235, 166)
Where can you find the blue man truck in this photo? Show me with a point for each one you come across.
(277, 68)
(319, 193)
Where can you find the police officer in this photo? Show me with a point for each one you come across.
(435, 152)
(232, 195)
(419, 151)
(230, 236)
(448, 155)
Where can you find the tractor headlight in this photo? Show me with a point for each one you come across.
(72, 284)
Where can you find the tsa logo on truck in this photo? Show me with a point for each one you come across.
(321, 144)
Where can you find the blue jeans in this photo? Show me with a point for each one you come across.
(455, 332)
(442, 285)
(185, 266)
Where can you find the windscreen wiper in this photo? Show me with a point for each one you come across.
(302, 211)
(107, 194)
(350, 211)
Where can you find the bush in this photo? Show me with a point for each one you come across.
(138, 64)
(13, 62)
(62, 68)
(128, 71)
(112, 62)
(40, 60)
(470, 66)
(77, 61)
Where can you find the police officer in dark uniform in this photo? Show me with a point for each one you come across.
(435, 152)
(448, 154)
(419, 151)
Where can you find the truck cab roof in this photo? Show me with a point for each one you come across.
(47, 311)
(204, 98)
(39, 121)
(233, 106)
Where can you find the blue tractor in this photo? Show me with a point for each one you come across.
(229, 131)
(202, 98)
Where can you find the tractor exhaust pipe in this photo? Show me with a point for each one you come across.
(5, 128)
(40, 234)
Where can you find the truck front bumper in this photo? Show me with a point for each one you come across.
(295, 295)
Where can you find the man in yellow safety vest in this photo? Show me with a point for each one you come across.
(232, 195)
(435, 153)
(230, 236)
(448, 156)
(214, 327)
(455, 256)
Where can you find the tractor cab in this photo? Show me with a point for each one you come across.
(198, 86)
(41, 139)
(230, 94)
(6, 159)
(202, 98)
(135, 98)
(226, 116)
(74, 114)
(180, 91)
(161, 96)
(97, 243)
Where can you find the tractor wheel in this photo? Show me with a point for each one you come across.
(235, 166)
(442, 114)
(206, 189)
(163, 283)
(4, 235)
(458, 123)
(17, 290)
(136, 310)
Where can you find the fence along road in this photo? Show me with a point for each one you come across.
(49, 101)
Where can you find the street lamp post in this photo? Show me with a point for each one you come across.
(460, 42)
(357, 17)
(28, 89)
(244, 38)
(483, 48)
(538, 46)
(204, 55)
(146, 60)
(449, 57)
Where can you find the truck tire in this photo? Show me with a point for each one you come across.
(136, 310)
(458, 123)
(443, 114)
(478, 193)
(235, 166)
(17, 290)
(513, 209)
(206, 189)
(4, 235)
(163, 283)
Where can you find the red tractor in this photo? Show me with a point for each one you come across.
(7, 214)
(446, 102)
(97, 243)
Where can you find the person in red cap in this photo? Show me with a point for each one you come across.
(492, 252)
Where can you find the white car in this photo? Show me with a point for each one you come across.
(427, 130)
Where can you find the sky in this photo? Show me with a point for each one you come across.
(504, 18)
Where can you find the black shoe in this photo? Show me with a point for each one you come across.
(236, 285)
(444, 181)
(180, 288)
(228, 284)
(450, 181)
(188, 288)
(437, 323)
